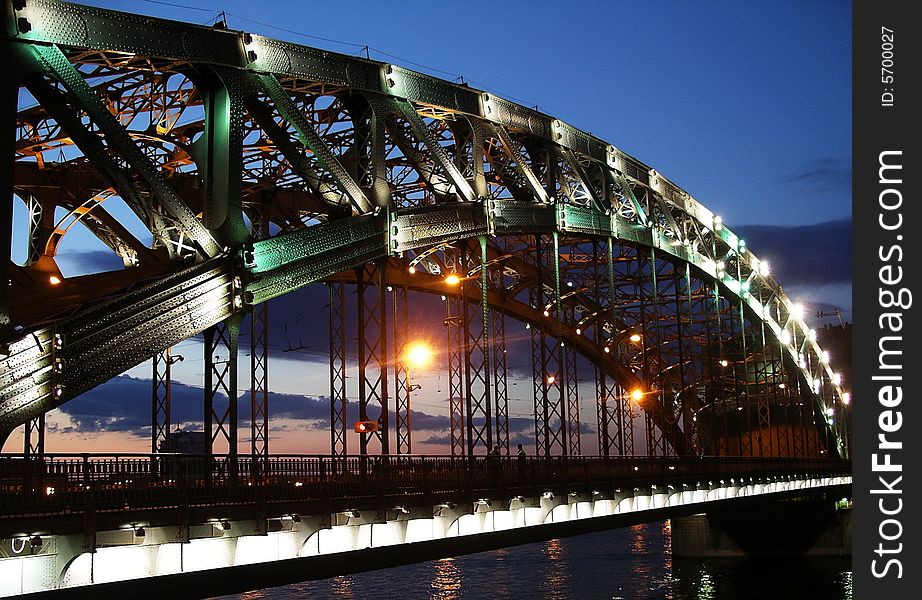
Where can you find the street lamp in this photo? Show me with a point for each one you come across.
(417, 355)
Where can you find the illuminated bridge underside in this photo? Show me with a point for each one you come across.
(314, 517)
(259, 166)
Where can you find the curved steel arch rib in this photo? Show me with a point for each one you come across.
(418, 162)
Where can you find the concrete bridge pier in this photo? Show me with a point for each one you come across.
(798, 527)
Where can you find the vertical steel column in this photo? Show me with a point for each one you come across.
(798, 444)
(765, 388)
(784, 434)
(627, 258)
(221, 379)
(38, 232)
(571, 388)
(797, 387)
(538, 362)
(817, 414)
(338, 402)
(625, 415)
(726, 374)
(717, 421)
(160, 418)
(743, 397)
(402, 384)
(644, 354)
(221, 162)
(454, 324)
(34, 438)
(682, 412)
(696, 350)
(372, 354)
(655, 441)
(608, 396)
(602, 397)
(547, 357)
(811, 433)
(259, 358)
(476, 348)
(559, 408)
(734, 357)
(500, 387)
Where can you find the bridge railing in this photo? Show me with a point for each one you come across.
(61, 482)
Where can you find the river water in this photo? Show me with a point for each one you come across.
(630, 563)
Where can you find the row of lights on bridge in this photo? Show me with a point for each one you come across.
(797, 312)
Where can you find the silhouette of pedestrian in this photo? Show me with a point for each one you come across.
(521, 459)
(493, 461)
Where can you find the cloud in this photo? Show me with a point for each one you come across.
(122, 404)
(823, 174)
(818, 254)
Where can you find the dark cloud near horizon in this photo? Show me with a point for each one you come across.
(818, 254)
(123, 405)
(525, 437)
(829, 174)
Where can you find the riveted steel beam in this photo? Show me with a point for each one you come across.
(57, 64)
(310, 139)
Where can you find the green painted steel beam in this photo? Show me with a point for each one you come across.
(120, 140)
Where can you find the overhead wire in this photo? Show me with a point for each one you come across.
(359, 47)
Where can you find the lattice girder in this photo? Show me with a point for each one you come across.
(521, 173)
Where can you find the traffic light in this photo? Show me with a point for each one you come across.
(366, 426)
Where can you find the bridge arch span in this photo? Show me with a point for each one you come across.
(343, 162)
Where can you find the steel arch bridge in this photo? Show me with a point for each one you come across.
(258, 167)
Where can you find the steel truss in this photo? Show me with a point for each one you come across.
(34, 437)
(161, 402)
(353, 166)
(221, 380)
(259, 356)
(454, 324)
(403, 386)
(477, 344)
(372, 354)
(548, 374)
(337, 354)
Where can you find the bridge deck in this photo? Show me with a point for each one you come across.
(115, 487)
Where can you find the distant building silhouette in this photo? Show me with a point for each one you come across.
(185, 442)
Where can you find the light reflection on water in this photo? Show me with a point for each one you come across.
(342, 587)
(446, 580)
(626, 564)
(555, 577)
